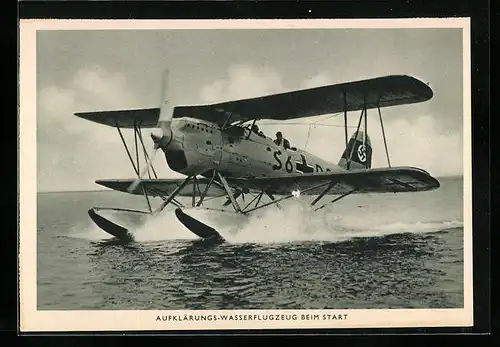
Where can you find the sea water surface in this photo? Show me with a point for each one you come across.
(366, 251)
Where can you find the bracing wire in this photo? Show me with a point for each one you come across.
(309, 123)
(314, 124)
(308, 136)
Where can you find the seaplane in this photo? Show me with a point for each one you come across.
(220, 153)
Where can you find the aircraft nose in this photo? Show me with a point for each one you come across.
(161, 137)
(156, 135)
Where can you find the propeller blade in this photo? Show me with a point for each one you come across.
(166, 109)
(162, 135)
(134, 185)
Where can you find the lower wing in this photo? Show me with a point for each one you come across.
(163, 187)
(384, 180)
(380, 180)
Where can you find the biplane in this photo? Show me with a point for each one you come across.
(221, 155)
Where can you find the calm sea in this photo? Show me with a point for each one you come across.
(366, 251)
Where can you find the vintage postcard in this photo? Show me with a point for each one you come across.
(245, 174)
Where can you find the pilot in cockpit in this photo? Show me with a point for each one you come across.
(280, 141)
(255, 129)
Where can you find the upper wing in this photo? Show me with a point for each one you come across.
(382, 91)
(163, 187)
(144, 118)
(386, 180)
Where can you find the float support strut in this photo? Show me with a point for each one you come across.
(172, 195)
(228, 191)
(336, 199)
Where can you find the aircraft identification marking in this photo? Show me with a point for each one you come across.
(288, 164)
(300, 166)
(276, 155)
(279, 165)
(303, 167)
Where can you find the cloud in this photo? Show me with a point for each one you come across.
(418, 143)
(72, 152)
(318, 80)
(243, 81)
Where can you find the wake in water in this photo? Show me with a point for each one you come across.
(293, 222)
(298, 223)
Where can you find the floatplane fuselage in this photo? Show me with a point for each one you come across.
(199, 146)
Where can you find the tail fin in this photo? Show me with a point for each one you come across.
(359, 149)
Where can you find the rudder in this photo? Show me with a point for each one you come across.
(359, 149)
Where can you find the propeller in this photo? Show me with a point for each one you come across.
(162, 134)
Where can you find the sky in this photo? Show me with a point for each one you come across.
(85, 70)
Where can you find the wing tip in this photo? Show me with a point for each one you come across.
(125, 118)
(435, 184)
(104, 183)
(431, 181)
(425, 89)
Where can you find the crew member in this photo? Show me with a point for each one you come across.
(280, 141)
(255, 129)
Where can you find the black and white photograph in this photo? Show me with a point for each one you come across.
(240, 174)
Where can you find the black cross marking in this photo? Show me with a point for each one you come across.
(303, 167)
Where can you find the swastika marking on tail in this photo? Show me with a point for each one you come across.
(362, 153)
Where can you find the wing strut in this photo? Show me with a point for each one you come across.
(363, 112)
(126, 148)
(136, 165)
(383, 135)
(146, 155)
(345, 118)
(365, 132)
(137, 149)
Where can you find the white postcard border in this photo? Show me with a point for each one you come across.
(33, 320)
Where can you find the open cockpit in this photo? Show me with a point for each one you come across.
(249, 130)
